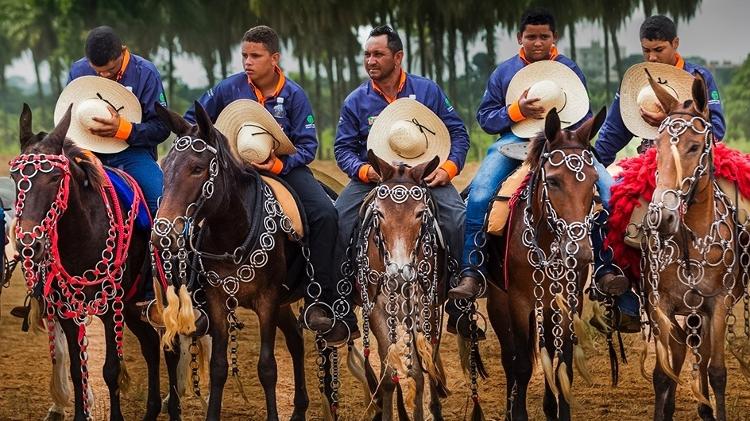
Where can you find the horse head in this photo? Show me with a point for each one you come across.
(563, 166)
(402, 207)
(683, 155)
(42, 174)
(191, 173)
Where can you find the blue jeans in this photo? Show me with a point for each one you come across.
(495, 168)
(139, 164)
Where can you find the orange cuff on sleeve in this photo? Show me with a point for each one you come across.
(451, 168)
(124, 129)
(362, 173)
(514, 112)
(278, 165)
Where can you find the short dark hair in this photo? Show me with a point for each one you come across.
(658, 28)
(265, 35)
(102, 45)
(394, 40)
(537, 16)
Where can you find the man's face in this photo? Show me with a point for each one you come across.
(257, 61)
(380, 61)
(660, 51)
(110, 69)
(536, 41)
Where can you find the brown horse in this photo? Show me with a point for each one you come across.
(64, 198)
(695, 256)
(401, 271)
(244, 255)
(546, 261)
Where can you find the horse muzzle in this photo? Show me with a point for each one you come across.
(664, 211)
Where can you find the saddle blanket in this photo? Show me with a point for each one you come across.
(124, 188)
(288, 203)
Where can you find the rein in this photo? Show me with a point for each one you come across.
(68, 300)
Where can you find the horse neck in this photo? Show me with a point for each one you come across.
(85, 218)
(229, 224)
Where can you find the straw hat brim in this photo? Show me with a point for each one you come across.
(407, 109)
(87, 87)
(577, 99)
(636, 79)
(239, 112)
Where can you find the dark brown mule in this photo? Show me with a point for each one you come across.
(695, 256)
(63, 228)
(205, 185)
(546, 263)
(401, 272)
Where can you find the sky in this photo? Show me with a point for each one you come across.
(719, 32)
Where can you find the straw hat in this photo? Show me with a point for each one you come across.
(252, 131)
(91, 96)
(557, 86)
(636, 93)
(409, 132)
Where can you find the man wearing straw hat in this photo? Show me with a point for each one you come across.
(519, 94)
(635, 111)
(123, 130)
(414, 103)
(269, 123)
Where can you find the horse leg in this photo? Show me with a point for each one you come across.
(664, 387)
(549, 402)
(74, 351)
(436, 408)
(717, 370)
(111, 370)
(522, 365)
(379, 329)
(418, 375)
(268, 311)
(172, 360)
(218, 362)
(150, 344)
(497, 311)
(295, 344)
(59, 387)
(563, 408)
(705, 411)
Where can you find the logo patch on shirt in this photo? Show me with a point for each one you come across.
(162, 99)
(448, 103)
(310, 122)
(715, 95)
(371, 120)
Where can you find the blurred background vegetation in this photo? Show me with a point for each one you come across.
(322, 39)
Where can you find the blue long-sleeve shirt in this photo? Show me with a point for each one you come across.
(297, 121)
(614, 135)
(143, 79)
(365, 103)
(492, 114)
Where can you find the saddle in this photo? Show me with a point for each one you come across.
(499, 206)
(288, 201)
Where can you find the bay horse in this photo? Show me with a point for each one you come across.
(401, 269)
(544, 261)
(245, 254)
(81, 257)
(695, 257)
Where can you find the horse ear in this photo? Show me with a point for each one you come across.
(551, 125)
(588, 130)
(668, 102)
(204, 121)
(700, 95)
(174, 121)
(424, 169)
(384, 169)
(59, 132)
(26, 135)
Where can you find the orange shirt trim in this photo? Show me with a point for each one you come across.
(451, 168)
(125, 62)
(278, 165)
(279, 86)
(514, 112)
(401, 83)
(553, 53)
(124, 129)
(362, 173)
(680, 62)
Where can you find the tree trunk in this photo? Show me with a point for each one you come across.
(55, 70)
(170, 71)
(332, 86)
(407, 32)
(616, 48)
(318, 101)
(353, 68)
(572, 36)
(3, 80)
(467, 60)
(489, 29)
(39, 90)
(224, 62)
(340, 81)
(468, 77)
(422, 48)
(452, 63)
(606, 63)
(301, 62)
(437, 31)
(209, 62)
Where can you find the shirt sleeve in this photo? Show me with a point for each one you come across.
(613, 136)
(456, 128)
(346, 146)
(492, 114)
(302, 134)
(714, 106)
(151, 131)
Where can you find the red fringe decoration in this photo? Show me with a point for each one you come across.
(637, 180)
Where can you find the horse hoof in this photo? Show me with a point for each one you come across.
(54, 416)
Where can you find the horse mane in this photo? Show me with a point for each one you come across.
(86, 161)
(237, 169)
(536, 146)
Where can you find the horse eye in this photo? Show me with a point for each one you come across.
(419, 214)
(693, 149)
(552, 182)
(198, 169)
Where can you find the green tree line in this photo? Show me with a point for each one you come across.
(320, 36)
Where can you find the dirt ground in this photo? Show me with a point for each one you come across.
(25, 370)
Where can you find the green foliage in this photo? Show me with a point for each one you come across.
(736, 104)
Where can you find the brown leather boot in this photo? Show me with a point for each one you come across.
(613, 284)
(316, 319)
(467, 288)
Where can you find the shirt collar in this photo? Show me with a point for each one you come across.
(279, 86)
(401, 84)
(125, 62)
(680, 62)
(553, 53)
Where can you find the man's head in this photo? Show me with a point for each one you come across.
(104, 50)
(383, 53)
(260, 52)
(659, 40)
(537, 34)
